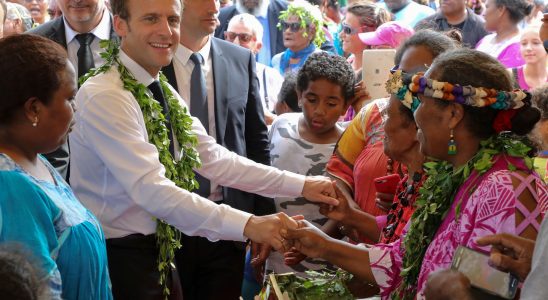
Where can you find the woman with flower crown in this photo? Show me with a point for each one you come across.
(301, 25)
(480, 181)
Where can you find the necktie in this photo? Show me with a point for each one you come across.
(198, 109)
(158, 95)
(85, 56)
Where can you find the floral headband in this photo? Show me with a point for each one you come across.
(405, 86)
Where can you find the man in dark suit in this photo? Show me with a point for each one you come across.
(79, 31)
(233, 114)
(268, 17)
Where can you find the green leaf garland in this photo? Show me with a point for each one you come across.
(435, 199)
(179, 171)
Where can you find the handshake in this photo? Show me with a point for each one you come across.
(282, 232)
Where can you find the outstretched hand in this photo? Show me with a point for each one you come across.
(510, 253)
(320, 189)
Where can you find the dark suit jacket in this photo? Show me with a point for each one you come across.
(239, 116)
(274, 9)
(55, 31)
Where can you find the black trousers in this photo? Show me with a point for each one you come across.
(210, 270)
(133, 268)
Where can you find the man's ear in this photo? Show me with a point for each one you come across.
(258, 47)
(121, 26)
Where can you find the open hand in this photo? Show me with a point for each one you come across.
(510, 253)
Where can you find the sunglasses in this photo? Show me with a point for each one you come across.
(352, 31)
(243, 37)
(293, 27)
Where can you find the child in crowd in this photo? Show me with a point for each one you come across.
(303, 142)
(287, 98)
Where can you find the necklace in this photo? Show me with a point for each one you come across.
(399, 213)
(179, 171)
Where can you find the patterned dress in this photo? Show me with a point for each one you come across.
(359, 156)
(65, 238)
(488, 205)
(290, 152)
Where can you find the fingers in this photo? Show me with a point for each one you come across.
(319, 189)
(384, 205)
(287, 222)
(502, 241)
(508, 264)
(298, 217)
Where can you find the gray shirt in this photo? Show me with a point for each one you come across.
(472, 30)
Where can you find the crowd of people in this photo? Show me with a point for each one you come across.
(170, 149)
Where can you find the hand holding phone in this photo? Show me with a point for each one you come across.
(387, 184)
(475, 266)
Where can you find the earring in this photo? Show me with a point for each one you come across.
(35, 123)
(452, 145)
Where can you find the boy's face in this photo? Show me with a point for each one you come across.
(151, 33)
(322, 103)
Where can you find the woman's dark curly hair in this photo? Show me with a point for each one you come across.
(334, 68)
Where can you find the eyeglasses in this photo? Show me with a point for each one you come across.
(352, 31)
(293, 27)
(243, 37)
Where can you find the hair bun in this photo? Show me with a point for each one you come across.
(525, 119)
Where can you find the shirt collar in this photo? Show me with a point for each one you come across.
(140, 74)
(183, 53)
(101, 31)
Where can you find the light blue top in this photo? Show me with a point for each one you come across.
(410, 14)
(65, 237)
(264, 56)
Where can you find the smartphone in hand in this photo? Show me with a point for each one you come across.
(474, 265)
(387, 184)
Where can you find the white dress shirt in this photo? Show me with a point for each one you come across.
(272, 85)
(116, 173)
(183, 67)
(101, 32)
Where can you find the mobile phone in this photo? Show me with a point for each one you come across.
(474, 265)
(387, 184)
(376, 65)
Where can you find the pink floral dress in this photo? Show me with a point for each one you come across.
(491, 208)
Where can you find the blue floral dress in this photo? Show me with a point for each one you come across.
(65, 238)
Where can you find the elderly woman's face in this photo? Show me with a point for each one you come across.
(433, 125)
(400, 132)
(55, 119)
(294, 36)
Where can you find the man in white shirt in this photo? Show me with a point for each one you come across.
(116, 173)
(83, 25)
